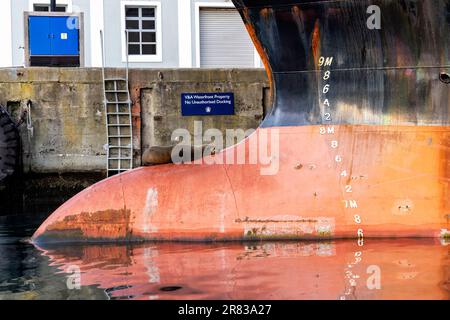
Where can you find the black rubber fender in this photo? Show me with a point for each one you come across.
(9, 145)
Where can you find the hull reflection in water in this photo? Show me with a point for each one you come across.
(401, 269)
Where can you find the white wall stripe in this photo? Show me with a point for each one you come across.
(5, 34)
(97, 24)
(184, 34)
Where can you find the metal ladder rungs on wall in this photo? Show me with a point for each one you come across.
(118, 102)
(115, 91)
(119, 123)
(114, 79)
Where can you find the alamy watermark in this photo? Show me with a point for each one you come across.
(74, 277)
(73, 21)
(374, 279)
(236, 147)
(374, 20)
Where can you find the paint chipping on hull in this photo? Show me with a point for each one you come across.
(151, 206)
(288, 228)
(99, 226)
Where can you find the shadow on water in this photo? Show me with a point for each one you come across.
(24, 272)
(384, 269)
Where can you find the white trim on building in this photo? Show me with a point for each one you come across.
(6, 56)
(142, 58)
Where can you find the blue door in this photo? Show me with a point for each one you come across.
(40, 37)
(54, 36)
(65, 35)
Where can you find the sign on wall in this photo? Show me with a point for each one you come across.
(207, 104)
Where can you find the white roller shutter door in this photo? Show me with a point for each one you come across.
(224, 41)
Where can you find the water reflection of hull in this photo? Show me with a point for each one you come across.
(407, 269)
(364, 139)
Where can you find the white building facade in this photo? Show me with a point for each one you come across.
(161, 33)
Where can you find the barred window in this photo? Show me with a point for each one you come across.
(46, 8)
(140, 23)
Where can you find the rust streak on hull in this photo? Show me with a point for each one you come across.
(102, 225)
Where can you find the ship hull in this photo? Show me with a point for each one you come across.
(357, 145)
(396, 185)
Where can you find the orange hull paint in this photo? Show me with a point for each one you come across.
(397, 185)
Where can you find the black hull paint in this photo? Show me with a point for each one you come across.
(387, 76)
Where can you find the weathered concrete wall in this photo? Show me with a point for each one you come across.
(161, 103)
(68, 115)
